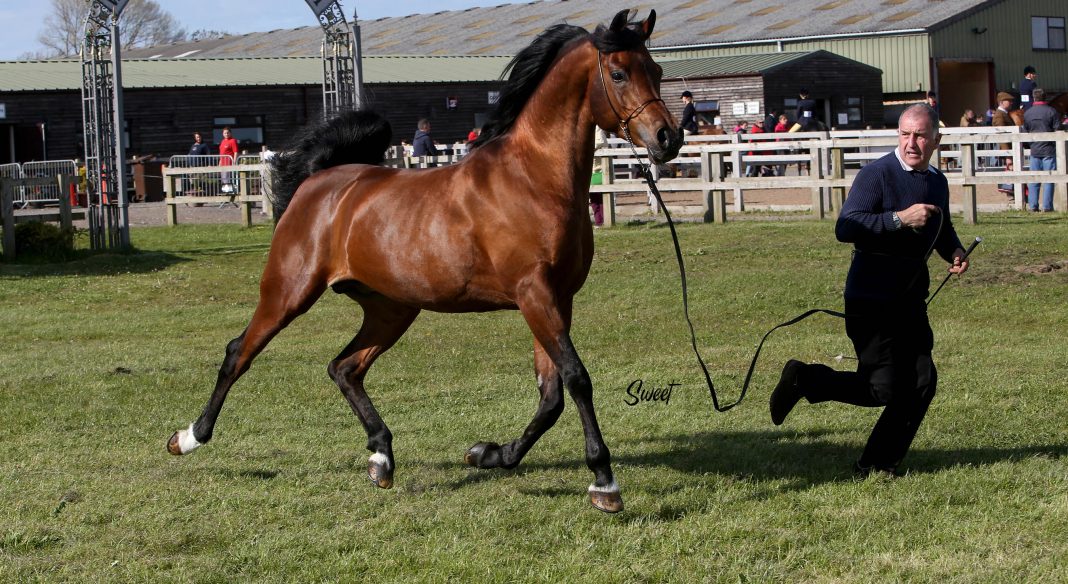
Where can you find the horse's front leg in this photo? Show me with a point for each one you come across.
(549, 318)
(551, 404)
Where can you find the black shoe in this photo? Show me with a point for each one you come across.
(786, 393)
(863, 472)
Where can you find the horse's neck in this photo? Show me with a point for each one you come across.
(556, 126)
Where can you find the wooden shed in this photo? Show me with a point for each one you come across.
(730, 89)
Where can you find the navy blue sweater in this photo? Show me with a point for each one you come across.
(888, 264)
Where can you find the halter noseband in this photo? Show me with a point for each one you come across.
(623, 122)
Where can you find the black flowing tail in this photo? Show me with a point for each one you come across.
(355, 137)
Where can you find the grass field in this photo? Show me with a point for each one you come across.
(104, 357)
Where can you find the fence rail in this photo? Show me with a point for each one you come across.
(707, 167)
(710, 168)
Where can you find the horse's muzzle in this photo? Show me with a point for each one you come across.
(668, 143)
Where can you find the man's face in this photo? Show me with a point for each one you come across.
(1006, 104)
(917, 140)
(196, 138)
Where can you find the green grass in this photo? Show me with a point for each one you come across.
(104, 357)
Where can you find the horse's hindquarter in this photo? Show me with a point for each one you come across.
(454, 239)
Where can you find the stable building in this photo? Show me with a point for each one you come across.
(263, 100)
(445, 67)
(731, 89)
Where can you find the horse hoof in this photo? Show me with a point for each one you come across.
(606, 499)
(172, 445)
(380, 471)
(483, 455)
(182, 442)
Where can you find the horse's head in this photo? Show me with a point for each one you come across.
(625, 91)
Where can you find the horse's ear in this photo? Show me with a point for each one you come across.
(647, 25)
(621, 20)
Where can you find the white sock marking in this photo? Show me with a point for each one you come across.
(379, 458)
(186, 441)
(612, 487)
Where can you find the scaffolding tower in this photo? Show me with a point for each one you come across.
(102, 118)
(342, 79)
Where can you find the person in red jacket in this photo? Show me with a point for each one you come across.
(227, 156)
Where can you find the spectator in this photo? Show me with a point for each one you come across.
(781, 127)
(597, 199)
(742, 127)
(968, 119)
(751, 169)
(199, 148)
(896, 210)
(932, 101)
(1041, 118)
(1002, 118)
(423, 144)
(473, 134)
(227, 156)
(689, 115)
(1027, 88)
(805, 117)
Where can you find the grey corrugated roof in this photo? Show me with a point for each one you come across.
(739, 64)
(507, 28)
(142, 73)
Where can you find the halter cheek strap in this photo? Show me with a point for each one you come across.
(624, 123)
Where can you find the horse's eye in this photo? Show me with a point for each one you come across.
(618, 76)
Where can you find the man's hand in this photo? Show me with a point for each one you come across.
(917, 215)
(960, 264)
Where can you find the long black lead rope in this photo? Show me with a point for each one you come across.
(624, 126)
(647, 175)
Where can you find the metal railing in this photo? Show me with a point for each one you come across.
(43, 194)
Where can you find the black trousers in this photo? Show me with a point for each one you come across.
(893, 343)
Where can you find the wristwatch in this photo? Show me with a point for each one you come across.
(897, 220)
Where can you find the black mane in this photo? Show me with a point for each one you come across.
(527, 69)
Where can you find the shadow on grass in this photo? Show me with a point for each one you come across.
(96, 264)
(802, 459)
(114, 263)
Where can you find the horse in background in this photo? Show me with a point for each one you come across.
(506, 228)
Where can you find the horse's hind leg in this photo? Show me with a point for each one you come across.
(281, 301)
(384, 322)
(493, 455)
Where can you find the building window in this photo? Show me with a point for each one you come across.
(1047, 33)
(853, 109)
(247, 130)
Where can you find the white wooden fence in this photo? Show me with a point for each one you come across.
(710, 166)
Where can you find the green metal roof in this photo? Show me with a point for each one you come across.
(151, 73)
(727, 65)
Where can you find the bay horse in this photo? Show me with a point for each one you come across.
(506, 228)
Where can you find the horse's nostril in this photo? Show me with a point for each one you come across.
(663, 137)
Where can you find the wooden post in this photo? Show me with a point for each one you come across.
(826, 171)
(169, 188)
(1017, 166)
(1060, 194)
(739, 172)
(265, 190)
(967, 168)
(66, 221)
(815, 170)
(7, 211)
(608, 176)
(244, 201)
(714, 200)
(837, 171)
